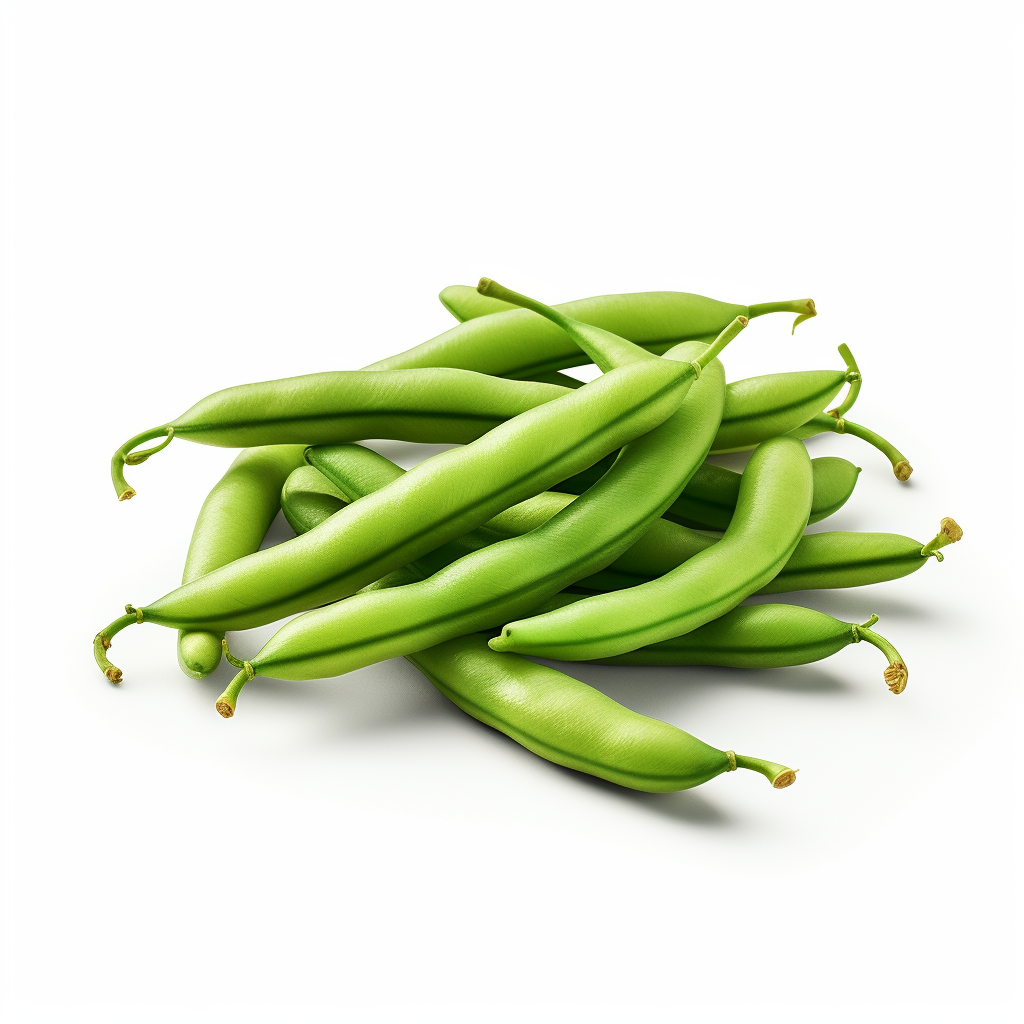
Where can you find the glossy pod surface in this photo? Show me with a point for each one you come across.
(232, 523)
(480, 589)
(709, 499)
(774, 502)
(520, 343)
(571, 723)
(439, 500)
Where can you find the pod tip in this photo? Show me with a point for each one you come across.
(784, 779)
(896, 676)
(483, 285)
(903, 469)
(225, 708)
(950, 529)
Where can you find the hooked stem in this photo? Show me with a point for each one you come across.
(896, 675)
(853, 378)
(101, 642)
(949, 533)
(604, 348)
(805, 307)
(900, 466)
(777, 774)
(226, 701)
(722, 340)
(124, 456)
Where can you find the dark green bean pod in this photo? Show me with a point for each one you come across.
(825, 422)
(482, 588)
(442, 406)
(568, 722)
(709, 499)
(774, 502)
(308, 498)
(232, 523)
(441, 499)
(519, 343)
(762, 636)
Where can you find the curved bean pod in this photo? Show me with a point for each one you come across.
(825, 422)
(762, 636)
(482, 588)
(430, 405)
(437, 501)
(774, 502)
(519, 343)
(233, 521)
(566, 721)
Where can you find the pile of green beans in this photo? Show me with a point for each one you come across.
(578, 522)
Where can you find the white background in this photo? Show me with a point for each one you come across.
(197, 195)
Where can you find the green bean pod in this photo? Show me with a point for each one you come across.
(709, 499)
(437, 501)
(519, 343)
(762, 636)
(437, 405)
(308, 498)
(570, 723)
(825, 422)
(483, 587)
(232, 523)
(774, 502)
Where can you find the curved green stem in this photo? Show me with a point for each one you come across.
(124, 457)
(722, 340)
(805, 307)
(101, 642)
(604, 348)
(949, 533)
(853, 378)
(227, 700)
(777, 774)
(822, 422)
(896, 674)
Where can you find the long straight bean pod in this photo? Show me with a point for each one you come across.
(762, 636)
(434, 405)
(440, 499)
(774, 502)
(520, 343)
(232, 523)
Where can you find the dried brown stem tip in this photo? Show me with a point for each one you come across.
(903, 469)
(896, 676)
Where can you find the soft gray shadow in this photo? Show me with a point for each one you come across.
(855, 604)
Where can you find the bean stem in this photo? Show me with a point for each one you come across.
(853, 378)
(949, 533)
(896, 674)
(823, 421)
(123, 456)
(101, 642)
(777, 774)
(805, 307)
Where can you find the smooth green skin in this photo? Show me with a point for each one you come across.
(567, 721)
(709, 499)
(232, 523)
(519, 343)
(751, 636)
(308, 498)
(834, 560)
(437, 501)
(771, 513)
(482, 588)
(433, 405)
(758, 408)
